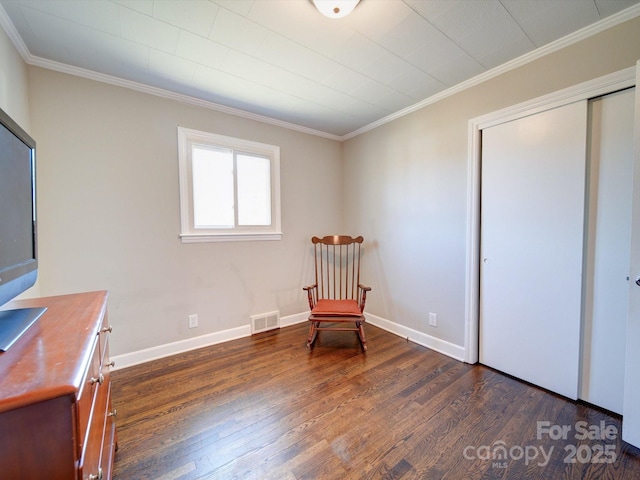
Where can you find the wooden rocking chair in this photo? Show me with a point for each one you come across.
(337, 295)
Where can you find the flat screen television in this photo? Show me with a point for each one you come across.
(18, 235)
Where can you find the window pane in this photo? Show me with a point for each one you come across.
(254, 190)
(212, 188)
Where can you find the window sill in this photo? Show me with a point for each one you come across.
(229, 237)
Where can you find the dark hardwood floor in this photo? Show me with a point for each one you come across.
(266, 407)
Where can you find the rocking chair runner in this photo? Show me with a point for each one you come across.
(337, 296)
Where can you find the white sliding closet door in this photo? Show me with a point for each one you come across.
(608, 250)
(532, 230)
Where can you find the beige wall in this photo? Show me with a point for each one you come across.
(408, 183)
(109, 212)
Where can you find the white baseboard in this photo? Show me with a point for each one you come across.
(168, 349)
(154, 353)
(293, 319)
(441, 346)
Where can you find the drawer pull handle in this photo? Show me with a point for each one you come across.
(113, 413)
(97, 476)
(99, 380)
(107, 329)
(112, 363)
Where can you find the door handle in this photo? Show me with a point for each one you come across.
(638, 281)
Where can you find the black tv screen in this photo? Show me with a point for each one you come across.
(16, 244)
(18, 234)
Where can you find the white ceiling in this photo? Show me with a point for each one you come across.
(283, 60)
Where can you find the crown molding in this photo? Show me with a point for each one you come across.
(14, 36)
(582, 34)
(167, 94)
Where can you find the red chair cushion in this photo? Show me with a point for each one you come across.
(336, 308)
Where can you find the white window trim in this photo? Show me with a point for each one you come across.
(186, 137)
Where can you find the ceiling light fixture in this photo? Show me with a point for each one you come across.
(335, 8)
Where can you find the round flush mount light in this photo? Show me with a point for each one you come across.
(335, 8)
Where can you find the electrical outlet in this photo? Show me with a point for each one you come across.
(433, 319)
(193, 321)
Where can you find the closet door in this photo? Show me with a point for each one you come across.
(532, 230)
(608, 249)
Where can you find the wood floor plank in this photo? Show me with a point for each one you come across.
(266, 407)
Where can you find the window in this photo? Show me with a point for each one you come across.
(229, 188)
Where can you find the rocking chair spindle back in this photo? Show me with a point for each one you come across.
(337, 268)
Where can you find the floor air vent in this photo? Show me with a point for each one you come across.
(264, 322)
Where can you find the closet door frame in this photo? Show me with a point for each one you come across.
(600, 86)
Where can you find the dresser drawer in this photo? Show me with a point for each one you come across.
(90, 382)
(109, 442)
(90, 461)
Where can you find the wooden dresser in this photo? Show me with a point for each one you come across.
(56, 418)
